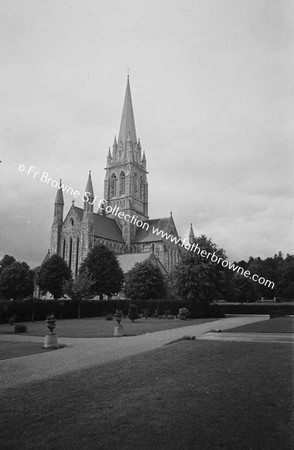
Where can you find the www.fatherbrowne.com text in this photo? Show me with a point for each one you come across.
(213, 257)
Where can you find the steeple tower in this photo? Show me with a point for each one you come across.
(125, 184)
(89, 195)
(57, 221)
(127, 125)
(191, 235)
(87, 225)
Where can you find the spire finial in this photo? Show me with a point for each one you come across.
(128, 72)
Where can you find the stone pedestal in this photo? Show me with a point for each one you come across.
(50, 341)
(118, 331)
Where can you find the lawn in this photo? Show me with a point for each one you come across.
(99, 327)
(277, 325)
(189, 395)
(10, 350)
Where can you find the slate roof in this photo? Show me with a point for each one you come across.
(143, 235)
(107, 228)
(128, 260)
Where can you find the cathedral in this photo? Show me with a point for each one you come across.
(126, 190)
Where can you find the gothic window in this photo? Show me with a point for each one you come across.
(135, 183)
(113, 185)
(72, 222)
(122, 185)
(142, 189)
(77, 256)
(64, 248)
(70, 253)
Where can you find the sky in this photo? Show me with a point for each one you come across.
(212, 88)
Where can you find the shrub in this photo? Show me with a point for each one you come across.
(145, 312)
(11, 319)
(133, 312)
(109, 316)
(20, 328)
(183, 314)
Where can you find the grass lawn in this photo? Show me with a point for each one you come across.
(14, 349)
(189, 395)
(99, 327)
(277, 325)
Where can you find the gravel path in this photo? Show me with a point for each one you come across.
(81, 353)
(280, 338)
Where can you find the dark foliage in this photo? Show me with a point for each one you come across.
(277, 269)
(133, 312)
(16, 280)
(52, 275)
(104, 271)
(197, 278)
(19, 328)
(145, 281)
(65, 309)
(78, 289)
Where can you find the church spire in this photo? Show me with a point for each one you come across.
(191, 235)
(59, 195)
(127, 125)
(89, 194)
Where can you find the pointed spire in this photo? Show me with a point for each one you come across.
(89, 187)
(109, 158)
(59, 195)
(115, 141)
(127, 124)
(191, 235)
(89, 195)
(144, 163)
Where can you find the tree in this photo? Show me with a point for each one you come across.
(6, 261)
(133, 312)
(145, 281)
(199, 279)
(245, 290)
(104, 271)
(78, 289)
(16, 280)
(52, 274)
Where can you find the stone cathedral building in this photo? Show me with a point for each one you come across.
(126, 190)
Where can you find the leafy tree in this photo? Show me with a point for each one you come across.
(145, 281)
(197, 278)
(245, 290)
(6, 261)
(52, 274)
(104, 271)
(78, 289)
(133, 312)
(16, 280)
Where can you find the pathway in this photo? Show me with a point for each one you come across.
(81, 353)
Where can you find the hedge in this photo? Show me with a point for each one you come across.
(257, 308)
(36, 309)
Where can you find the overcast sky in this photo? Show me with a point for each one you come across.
(212, 88)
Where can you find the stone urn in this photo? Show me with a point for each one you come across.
(51, 339)
(118, 329)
